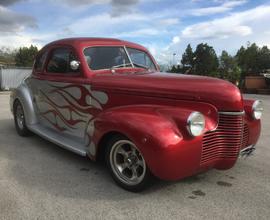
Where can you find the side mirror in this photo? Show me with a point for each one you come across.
(74, 65)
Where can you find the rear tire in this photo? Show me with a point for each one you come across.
(126, 164)
(19, 120)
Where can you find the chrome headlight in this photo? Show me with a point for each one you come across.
(257, 109)
(196, 123)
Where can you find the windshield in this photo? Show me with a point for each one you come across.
(105, 57)
(108, 57)
(141, 59)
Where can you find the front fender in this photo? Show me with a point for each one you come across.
(161, 135)
(24, 95)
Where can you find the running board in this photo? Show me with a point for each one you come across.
(60, 140)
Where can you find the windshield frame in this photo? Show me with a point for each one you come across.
(126, 51)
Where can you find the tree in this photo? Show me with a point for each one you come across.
(253, 59)
(25, 56)
(7, 55)
(205, 61)
(175, 69)
(228, 68)
(241, 58)
(188, 59)
(263, 60)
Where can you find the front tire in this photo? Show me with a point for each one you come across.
(127, 165)
(19, 120)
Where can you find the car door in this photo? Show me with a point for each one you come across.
(58, 92)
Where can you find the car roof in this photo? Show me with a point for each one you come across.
(93, 40)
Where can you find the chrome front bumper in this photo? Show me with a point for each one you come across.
(248, 151)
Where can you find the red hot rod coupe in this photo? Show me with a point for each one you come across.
(105, 98)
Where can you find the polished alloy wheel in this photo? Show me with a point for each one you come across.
(20, 117)
(127, 162)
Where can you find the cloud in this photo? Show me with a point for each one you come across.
(227, 33)
(67, 31)
(8, 2)
(12, 22)
(81, 2)
(103, 24)
(138, 25)
(175, 40)
(236, 24)
(120, 7)
(212, 30)
(120, 3)
(115, 3)
(224, 7)
(169, 21)
(160, 26)
(15, 41)
(138, 33)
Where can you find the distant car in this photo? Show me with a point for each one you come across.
(105, 98)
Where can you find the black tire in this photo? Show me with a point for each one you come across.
(146, 177)
(19, 120)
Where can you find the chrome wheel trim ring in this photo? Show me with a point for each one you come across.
(127, 162)
(20, 117)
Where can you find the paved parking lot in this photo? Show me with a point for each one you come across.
(39, 180)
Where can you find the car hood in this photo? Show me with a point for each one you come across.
(222, 94)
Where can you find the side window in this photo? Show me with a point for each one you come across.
(39, 62)
(60, 61)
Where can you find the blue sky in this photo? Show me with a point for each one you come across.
(164, 27)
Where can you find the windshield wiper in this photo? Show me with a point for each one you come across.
(140, 65)
(121, 65)
(130, 64)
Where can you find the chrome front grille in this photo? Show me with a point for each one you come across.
(225, 141)
(245, 136)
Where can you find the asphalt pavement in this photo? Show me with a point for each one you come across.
(39, 180)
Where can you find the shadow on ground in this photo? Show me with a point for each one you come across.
(39, 164)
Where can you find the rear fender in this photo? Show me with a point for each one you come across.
(24, 95)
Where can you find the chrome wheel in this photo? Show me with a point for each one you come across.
(127, 162)
(20, 117)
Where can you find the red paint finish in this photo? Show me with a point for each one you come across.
(161, 135)
(224, 95)
(151, 108)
